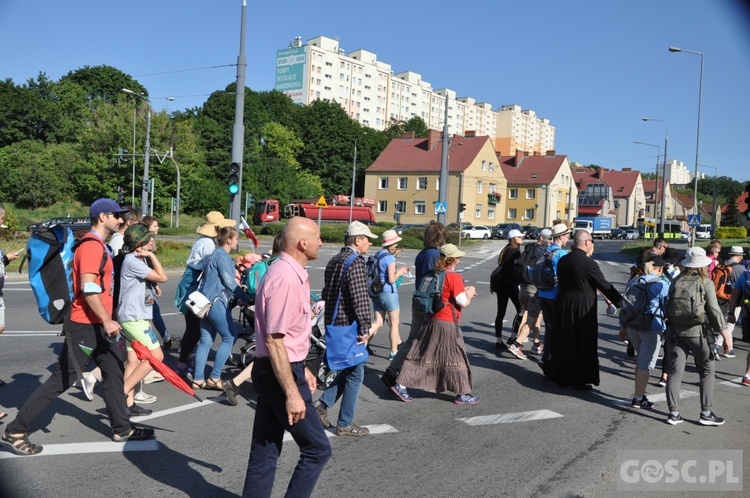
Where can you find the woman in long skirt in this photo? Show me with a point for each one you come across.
(437, 359)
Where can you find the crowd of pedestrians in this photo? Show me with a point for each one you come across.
(432, 358)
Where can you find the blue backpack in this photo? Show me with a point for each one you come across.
(50, 255)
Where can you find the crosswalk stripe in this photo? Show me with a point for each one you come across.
(733, 382)
(374, 429)
(509, 418)
(81, 448)
(661, 397)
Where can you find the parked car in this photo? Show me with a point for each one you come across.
(74, 224)
(631, 234)
(530, 232)
(454, 227)
(617, 233)
(684, 234)
(476, 232)
(703, 232)
(501, 231)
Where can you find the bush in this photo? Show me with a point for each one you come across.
(730, 233)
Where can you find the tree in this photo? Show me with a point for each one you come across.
(418, 126)
(104, 82)
(731, 217)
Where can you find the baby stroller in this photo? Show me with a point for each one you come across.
(243, 350)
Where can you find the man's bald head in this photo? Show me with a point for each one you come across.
(300, 238)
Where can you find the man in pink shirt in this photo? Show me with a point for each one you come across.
(284, 385)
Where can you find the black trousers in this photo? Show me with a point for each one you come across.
(106, 354)
(191, 337)
(502, 306)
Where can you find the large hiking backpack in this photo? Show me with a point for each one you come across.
(374, 284)
(723, 282)
(255, 274)
(523, 265)
(50, 256)
(543, 274)
(687, 304)
(428, 297)
(635, 312)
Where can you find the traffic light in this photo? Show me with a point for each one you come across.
(461, 207)
(120, 195)
(234, 178)
(746, 212)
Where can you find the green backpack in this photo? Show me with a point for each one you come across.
(687, 302)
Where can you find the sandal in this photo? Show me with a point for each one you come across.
(198, 385)
(24, 448)
(213, 385)
(135, 434)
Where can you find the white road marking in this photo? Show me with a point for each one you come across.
(374, 429)
(509, 418)
(28, 333)
(81, 448)
(733, 382)
(178, 409)
(661, 397)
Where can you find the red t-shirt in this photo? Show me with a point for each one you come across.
(452, 287)
(88, 259)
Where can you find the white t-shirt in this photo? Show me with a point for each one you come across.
(116, 241)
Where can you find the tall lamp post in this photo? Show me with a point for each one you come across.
(698, 136)
(354, 177)
(144, 186)
(664, 179)
(656, 192)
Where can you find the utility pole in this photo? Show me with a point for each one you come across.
(443, 191)
(238, 130)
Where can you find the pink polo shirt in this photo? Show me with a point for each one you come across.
(282, 306)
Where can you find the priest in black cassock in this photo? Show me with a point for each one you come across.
(579, 278)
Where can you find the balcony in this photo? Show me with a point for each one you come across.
(494, 198)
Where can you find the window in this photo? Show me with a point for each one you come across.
(479, 187)
(559, 196)
(529, 214)
(437, 183)
(422, 183)
(493, 188)
(492, 167)
(490, 213)
(402, 183)
(383, 183)
(531, 193)
(484, 165)
(512, 214)
(478, 211)
(420, 207)
(513, 193)
(382, 206)
(401, 206)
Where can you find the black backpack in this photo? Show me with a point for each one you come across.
(374, 285)
(522, 266)
(543, 275)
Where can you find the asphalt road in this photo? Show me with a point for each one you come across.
(526, 437)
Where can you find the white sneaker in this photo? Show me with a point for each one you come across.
(87, 385)
(152, 377)
(144, 398)
(516, 351)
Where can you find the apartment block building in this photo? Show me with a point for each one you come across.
(519, 129)
(371, 93)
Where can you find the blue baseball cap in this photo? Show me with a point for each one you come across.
(104, 206)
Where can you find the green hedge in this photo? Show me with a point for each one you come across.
(731, 233)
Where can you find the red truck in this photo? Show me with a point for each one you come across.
(337, 210)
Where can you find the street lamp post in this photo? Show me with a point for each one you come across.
(698, 136)
(354, 177)
(656, 192)
(664, 175)
(144, 188)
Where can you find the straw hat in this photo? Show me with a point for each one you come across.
(695, 257)
(359, 228)
(736, 251)
(560, 229)
(215, 221)
(390, 237)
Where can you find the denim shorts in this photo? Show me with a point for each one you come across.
(386, 301)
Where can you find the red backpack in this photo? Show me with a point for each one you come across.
(722, 277)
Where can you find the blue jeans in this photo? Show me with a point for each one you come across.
(159, 324)
(268, 434)
(346, 385)
(219, 320)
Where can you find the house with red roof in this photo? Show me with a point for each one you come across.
(540, 190)
(653, 199)
(404, 180)
(628, 201)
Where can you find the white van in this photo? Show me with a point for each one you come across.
(703, 232)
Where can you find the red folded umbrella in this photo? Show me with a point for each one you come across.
(169, 374)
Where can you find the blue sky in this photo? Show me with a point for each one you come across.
(593, 67)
